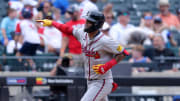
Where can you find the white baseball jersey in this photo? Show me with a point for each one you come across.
(29, 31)
(98, 50)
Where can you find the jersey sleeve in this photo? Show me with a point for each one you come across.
(64, 28)
(112, 46)
(78, 32)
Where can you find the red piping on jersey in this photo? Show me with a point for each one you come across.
(88, 58)
(89, 49)
(100, 89)
(89, 68)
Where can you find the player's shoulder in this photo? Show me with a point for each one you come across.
(78, 29)
(106, 39)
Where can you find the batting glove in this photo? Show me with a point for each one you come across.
(45, 22)
(99, 69)
(103, 68)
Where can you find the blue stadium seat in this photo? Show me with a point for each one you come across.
(176, 98)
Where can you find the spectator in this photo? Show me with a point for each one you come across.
(86, 6)
(31, 40)
(161, 28)
(137, 36)
(167, 17)
(62, 5)
(137, 57)
(57, 15)
(32, 5)
(40, 32)
(109, 17)
(108, 8)
(120, 31)
(38, 17)
(178, 14)
(14, 45)
(47, 9)
(147, 23)
(69, 40)
(8, 25)
(65, 69)
(146, 27)
(158, 49)
(56, 91)
(16, 4)
(52, 36)
(108, 13)
(67, 66)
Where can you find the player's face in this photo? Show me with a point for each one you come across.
(88, 24)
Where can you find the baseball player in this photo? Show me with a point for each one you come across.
(100, 52)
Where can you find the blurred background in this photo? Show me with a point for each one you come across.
(32, 55)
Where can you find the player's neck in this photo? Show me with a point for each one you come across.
(93, 34)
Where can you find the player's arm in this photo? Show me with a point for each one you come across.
(103, 68)
(114, 48)
(62, 27)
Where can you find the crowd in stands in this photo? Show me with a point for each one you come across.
(21, 35)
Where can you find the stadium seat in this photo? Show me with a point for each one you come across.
(2, 49)
(175, 50)
(176, 36)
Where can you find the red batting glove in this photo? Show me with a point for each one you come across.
(103, 68)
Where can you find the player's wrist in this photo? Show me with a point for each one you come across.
(125, 52)
(111, 63)
(104, 68)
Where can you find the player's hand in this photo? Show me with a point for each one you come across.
(99, 69)
(45, 22)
